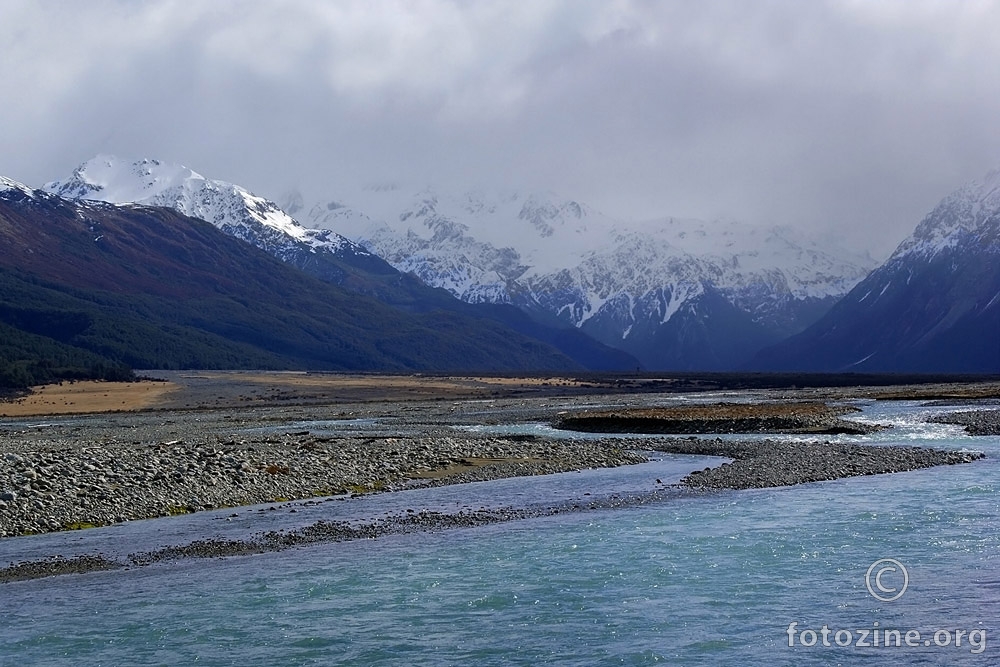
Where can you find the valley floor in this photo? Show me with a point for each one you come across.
(195, 441)
(202, 390)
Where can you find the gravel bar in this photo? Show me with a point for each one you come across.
(976, 422)
(785, 417)
(762, 464)
(65, 473)
(61, 487)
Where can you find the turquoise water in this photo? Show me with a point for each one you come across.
(692, 578)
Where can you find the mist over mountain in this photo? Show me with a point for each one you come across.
(933, 306)
(87, 283)
(675, 293)
(668, 293)
(319, 252)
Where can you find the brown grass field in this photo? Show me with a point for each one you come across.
(86, 397)
(236, 389)
(182, 390)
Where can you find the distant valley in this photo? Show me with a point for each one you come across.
(115, 268)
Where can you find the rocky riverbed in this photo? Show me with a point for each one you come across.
(84, 471)
(976, 422)
(75, 472)
(58, 486)
(778, 417)
(755, 464)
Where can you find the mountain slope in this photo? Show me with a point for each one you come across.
(149, 287)
(934, 306)
(620, 282)
(319, 252)
(229, 207)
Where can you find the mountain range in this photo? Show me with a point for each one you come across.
(89, 286)
(675, 293)
(672, 293)
(319, 252)
(568, 286)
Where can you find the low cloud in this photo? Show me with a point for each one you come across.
(848, 116)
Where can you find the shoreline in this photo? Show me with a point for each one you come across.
(752, 467)
(84, 471)
(318, 532)
(975, 422)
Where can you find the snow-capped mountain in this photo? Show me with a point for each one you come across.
(960, 217)
(229, 207)
(320, 252)
(934, 305)
(648, 288)
(90, 288)
(478, 247)
(7, 185)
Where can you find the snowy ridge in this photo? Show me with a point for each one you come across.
(930, 308)
(964, 225)
(7, 184)
(539, 251)
(736, 258)
(229, 207)
(959, 215)
(547, 233)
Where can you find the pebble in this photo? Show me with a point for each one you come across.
(100, 470)
(976, 422)
(113, 482)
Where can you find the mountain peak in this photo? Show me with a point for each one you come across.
(620, 281)
(112, 179)
(960, 214)
(934, 306)
(229, 207)
(8, 184)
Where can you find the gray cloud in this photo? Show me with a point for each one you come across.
(852, 117)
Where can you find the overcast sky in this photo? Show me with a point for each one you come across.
(852, 117)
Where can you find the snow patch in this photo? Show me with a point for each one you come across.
(861, 361)
(7, 184)
(571, 260)
(992, 301)
(229, 207)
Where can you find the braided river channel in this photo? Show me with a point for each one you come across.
(637, 572)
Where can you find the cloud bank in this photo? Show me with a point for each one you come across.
(847, 117)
